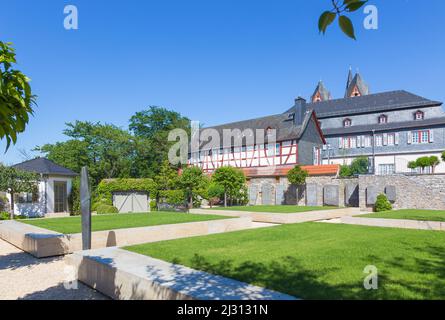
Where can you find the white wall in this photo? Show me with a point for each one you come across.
(400, 161)
(38, 209)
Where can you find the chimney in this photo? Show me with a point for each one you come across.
(300, 110)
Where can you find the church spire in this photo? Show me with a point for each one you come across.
(320, 93)
(357, 87)
(348, 82)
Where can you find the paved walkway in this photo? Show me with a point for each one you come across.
(24, 277)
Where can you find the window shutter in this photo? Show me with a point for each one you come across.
(396, 138)
(385, 139)
(340, 143)
(431, 136)
(410, 137)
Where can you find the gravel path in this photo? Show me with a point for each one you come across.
(24, 277)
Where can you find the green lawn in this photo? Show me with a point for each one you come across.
(410, 214)
(274, 209)
(318, 260)
(71, 225)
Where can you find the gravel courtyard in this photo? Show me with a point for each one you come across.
(24, 277)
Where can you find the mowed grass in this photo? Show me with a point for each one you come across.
(410, 214)
(71, 225)
(318, 260)
(275, 209)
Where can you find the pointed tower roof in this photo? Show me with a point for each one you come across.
(348, 82)
(359, 84)
(321, 93)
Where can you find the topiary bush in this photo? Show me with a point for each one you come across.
(382, 204)
(106, 209)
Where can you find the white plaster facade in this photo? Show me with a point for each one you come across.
(46, 203)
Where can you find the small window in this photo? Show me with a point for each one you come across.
(347, 123)
(419, 115)
(383, 119)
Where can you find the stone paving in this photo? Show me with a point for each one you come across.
(24, 277)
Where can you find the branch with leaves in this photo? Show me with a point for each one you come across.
(16, 99)
(339, 9)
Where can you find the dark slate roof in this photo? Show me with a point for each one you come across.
(44, 166)
(385, 126)
(282, 123)
(385, 101)
(324, 93)
(359, 83)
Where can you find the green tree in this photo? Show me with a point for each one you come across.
(167, 178)
(107, 150)
(443, 156)
(434, 162)
(232, 180)
(340, 9)
(16, 98)
(215, 193)
(422, 163)
(297, 176)
(359, 166)
(191, 179)
(151, 128)
(15, 181)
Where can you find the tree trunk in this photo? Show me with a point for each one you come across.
(191, 202)
(225, 199)
(12, 206)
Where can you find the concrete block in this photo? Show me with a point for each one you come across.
(126, 275)
(45, 243)
(267, 194)
(312, 194)
(371, 195)
(352, 195)
(279, 194)
(391, 194)
(253, 194)
(331, 196)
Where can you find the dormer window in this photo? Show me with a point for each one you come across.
(419, 115)
(383, 119)
(347, 123)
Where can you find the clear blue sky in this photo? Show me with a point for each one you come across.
(212, 60)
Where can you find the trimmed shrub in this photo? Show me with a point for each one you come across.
(106, 209)
(175, 197)
(382, 204)
(153, 205)
(99, 202)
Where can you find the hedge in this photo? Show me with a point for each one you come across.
(175, 197)
(106, 188)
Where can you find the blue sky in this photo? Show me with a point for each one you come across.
(214, 61)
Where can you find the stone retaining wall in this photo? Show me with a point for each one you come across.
(405, 191)
(319, 191)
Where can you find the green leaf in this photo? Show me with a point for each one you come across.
(354, 6)
(346, 26)
(346, 2)
(325, 20)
